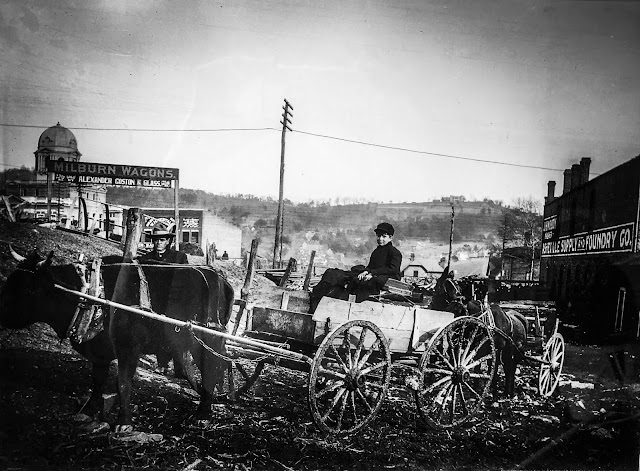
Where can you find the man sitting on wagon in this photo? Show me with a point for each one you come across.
(362, 281)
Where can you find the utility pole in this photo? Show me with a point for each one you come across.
(277, 246)
(453, 216)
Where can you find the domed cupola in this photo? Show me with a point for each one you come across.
(56, 143)
(58, 139)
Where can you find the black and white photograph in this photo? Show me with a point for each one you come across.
(296, 235)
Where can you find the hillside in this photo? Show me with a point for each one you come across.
(340, 234)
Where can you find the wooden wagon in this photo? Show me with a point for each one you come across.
(348, 350)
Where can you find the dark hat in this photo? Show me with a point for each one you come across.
(160, 233)
(384, 227)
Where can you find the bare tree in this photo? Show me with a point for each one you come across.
(529, 225)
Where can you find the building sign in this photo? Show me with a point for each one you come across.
(611, 239)
(151, 221)
(549, 227)
(87, 179)
(112, 174)
(190, 223)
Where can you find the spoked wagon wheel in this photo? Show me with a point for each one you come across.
(349, 377)
(553, 358)
(456, 371)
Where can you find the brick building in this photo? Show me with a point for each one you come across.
(590, 260)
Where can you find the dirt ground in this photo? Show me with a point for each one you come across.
(591, 422)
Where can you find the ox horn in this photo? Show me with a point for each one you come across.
(45, 263)
(16, 255)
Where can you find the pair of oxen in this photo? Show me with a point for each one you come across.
(184, 292)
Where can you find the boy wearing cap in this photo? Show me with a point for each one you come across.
(161, 251)
(360, 280)
(384, 263)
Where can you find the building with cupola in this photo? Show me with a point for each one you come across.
(79, 205)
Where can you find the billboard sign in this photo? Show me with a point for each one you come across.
(112, 174)
(611, 239)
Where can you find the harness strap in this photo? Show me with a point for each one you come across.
(510, 323)
(145, 299)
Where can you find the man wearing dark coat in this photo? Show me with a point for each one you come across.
(161, 251)
(360, 280)
(164, 254)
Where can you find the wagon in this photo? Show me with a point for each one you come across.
(544, 345)
(348, 350)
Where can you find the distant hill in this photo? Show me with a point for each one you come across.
(341, 234)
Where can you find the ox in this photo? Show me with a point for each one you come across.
(29, 296)
(187, 293)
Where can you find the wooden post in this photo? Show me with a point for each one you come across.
(287, 273)
(123, 239)
(453, 215)
(307, 278)
(176, 212)
(134, 231)
(107, 221)
(12, 216)
(82, 211)
(49, 195)
(244, 292)
(246, 288)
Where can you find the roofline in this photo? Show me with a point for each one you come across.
(568, 193)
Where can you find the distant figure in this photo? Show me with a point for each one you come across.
(225, 256)
(161, 252)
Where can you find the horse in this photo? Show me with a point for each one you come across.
(510, 333)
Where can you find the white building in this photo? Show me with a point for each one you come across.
(59, 143)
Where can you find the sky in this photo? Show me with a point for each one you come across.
(393, 101)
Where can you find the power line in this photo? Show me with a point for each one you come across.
(449, 156)
(323, 136)
(139, 129)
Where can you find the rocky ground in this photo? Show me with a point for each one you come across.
(590, 423)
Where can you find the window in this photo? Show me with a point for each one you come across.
(415, 273)
(191, 236)
(622, 295)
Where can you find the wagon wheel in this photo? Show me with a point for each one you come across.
(553, 358)
(349, 377)
(456, 371)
